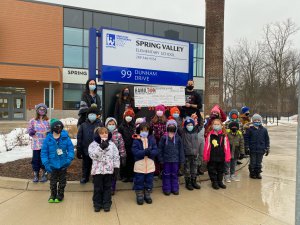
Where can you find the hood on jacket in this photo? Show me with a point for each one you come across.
(233, 115)
(110, 119)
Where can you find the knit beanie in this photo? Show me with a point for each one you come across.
(140, 120)
(234, 124)
(245, 109)
(129, 112)
(189, 120)
(39, 106)
(54, 122)
(171, 123)
(174, 110)
(110, 119)
(233, 114)
(256, 117)
(160, 108)
(93, 110)
(215, 109)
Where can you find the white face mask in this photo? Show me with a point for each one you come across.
(103, 139)
(159, 113)
(128, 118)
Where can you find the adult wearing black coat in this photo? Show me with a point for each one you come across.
(124, 102)
(90, 95)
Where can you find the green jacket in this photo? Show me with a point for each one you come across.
(236, 143)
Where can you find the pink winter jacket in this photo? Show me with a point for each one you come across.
(207, 147)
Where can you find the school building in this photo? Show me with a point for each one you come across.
(44, 45)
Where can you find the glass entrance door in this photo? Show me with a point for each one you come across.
(4, 107)
(12, 107)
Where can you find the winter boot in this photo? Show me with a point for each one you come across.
(44, 177)
(195, 184)
(188, 184)
(215, 185)
(175, 192)
(60, 195)
(147, 196)
(227, 178)
(258, 176)
(84, 180)
(221, 185)
(252, 175)
(139, 197)
(35, 176)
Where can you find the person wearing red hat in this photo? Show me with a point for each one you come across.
(175, 114)
(127, 129)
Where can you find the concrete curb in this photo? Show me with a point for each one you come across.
(75, 186)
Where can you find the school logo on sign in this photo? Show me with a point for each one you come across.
(110, 40)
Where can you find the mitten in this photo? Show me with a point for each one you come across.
(31, 132)
(267, 151)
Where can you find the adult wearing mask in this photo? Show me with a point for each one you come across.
(90, 95)
(85, 137)
(124, 102)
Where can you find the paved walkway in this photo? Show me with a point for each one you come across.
(268, 201)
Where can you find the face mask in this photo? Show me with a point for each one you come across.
(92, 87)
(190, 128)
(57, 129)
(111, 128)
(247, 114)
(128, 118)
(234, 129)
(171, 129)
(190, 87)
(144, 134)
(257, 124)
(104, 139)
(159, 113)
(176, 115)
(126, 93)
(217, 127)
(42, 112)
(92, 117)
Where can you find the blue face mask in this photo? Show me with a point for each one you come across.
(217, 127)
(144, 134)
(92, 87)
(92, 117)
(175, 115)
(111, 128)
(257, 124)
(189, 128)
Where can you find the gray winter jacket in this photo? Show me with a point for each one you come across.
(191, 141)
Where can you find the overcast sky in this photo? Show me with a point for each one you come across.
(243, 18)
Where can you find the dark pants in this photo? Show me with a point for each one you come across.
(190, 166)
(86, 166)
(255, 162)
(102, 190)
(143, 181)
(58, 177)
(113, 184)
(127, 170)
(36, 161)
(215, 171)
(170, 177)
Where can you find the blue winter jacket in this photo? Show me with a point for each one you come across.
(138, 150)
(168, 151)
(257, 139)
(49, 155)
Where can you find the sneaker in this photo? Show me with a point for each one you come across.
(51, 199)
(227, 179)
(234, 178)
(57, 200)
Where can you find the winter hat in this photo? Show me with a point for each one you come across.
(216, 108)
(110, 119)
(54, 122)
(160, 108)
(171, 123)
(174, 110)
(93, 110)
(256, 117)
(140, 120)
(233, 114)
(83, 108)
(245, 109)
(129, 112)
(234, 124)
(39, 106)
(189, 120)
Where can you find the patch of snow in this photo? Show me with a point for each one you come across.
(19, 152)
(69, 121)
(17, 137)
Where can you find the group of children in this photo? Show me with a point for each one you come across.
(137, 151)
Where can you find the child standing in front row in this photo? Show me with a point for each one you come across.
(216, 153)
(57, 154)
(144, 150)
(106, 164)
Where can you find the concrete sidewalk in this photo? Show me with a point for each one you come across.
(268, 201)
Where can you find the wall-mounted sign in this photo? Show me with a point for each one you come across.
(75, 76)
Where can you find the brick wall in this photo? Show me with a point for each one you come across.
(214, 41)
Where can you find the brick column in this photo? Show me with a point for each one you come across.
(214, 41)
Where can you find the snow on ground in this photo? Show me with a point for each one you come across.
(17, 137)
(19, 152)
(69, 121)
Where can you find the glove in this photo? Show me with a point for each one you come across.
(147, 152)
(104, 144)
(247, 151)
(79, 153)
(123, 161)
(241, 156)
(267, 151)
(116, 173)
(48, 168)
(31, 132)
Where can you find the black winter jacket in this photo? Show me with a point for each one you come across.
(257, 139)
(168, 151)
(127, 130)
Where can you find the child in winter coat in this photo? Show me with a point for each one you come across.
(233, 115)
(215, 113)
(106, 164)
(175, 114)
(237, 151)
(257, 142)
(144, 150)
(57, 154)
(216, 153)
(85, 137)
(171, 155)
(37, 130)
(191, 145)
(111, 125)
(127, 129)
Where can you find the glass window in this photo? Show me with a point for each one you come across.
(190, 34)
(46, 97)
(85, 57)
(160, 29)
(73, 18)
(194, 67)
(200, 51)
(136, 25)
(73, 36)
(86, 35)
(195, 48)
(87, 19)
(101, 20)
(72, 95)
(120, 22)
(149, 27)
(72, 56)
(178, 29)
(200, 67)
(201, 35)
